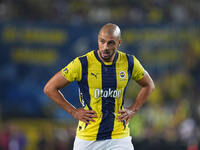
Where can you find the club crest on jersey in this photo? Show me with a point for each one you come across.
(122, 74)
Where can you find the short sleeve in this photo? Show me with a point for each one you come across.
(138, 70)
(72, 72)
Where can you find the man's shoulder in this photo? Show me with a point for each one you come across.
(121, 53)
(86, 54)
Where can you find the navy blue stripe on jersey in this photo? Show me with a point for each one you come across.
(124, 93)
(109, 83)
(96, 55)
(83, 84)
(130, 65)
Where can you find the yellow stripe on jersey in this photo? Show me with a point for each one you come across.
(94, 83)
(102, 88)
(120, 130)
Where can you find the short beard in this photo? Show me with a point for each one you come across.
(108, 58)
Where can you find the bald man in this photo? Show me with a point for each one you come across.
(102, 76)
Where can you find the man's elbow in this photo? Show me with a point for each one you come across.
(152, 86)
(47, 89)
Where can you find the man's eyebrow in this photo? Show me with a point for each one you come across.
(102, 39)
(109, 42)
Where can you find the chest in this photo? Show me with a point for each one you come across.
(105, 77)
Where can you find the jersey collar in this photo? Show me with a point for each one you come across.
(97, 57)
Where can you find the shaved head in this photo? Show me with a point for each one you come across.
(109, 39)
(111, 30)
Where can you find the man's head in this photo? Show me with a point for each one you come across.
(109, 39)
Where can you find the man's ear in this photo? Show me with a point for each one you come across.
(120, 41)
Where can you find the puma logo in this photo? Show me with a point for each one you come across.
(94, 75)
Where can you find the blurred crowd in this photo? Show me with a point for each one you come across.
(172, 114)
(100, 11)
(40, 135)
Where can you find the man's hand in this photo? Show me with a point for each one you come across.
(126, 114)
(84, 115)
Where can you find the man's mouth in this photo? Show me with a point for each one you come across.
(105, 54)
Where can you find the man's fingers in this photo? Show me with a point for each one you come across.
(91, 111)
(121, 117)
(127, 121)
(85, 121)
(89, 119)
(124, 118)
(91, 116)
(121, 111)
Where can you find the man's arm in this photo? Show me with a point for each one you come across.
(148, 86)
(52, 90)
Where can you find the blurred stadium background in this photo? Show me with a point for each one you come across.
(38, 38)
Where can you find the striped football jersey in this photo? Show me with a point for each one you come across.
(102, 87)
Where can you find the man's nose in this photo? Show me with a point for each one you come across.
(106, 46)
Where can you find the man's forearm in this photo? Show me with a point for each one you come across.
(142, 97)
(57, 97)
